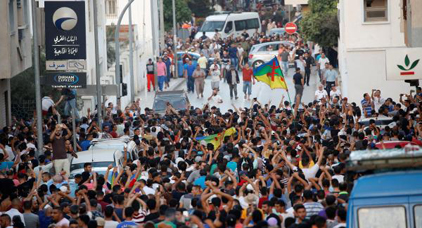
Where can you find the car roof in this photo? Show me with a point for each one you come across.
(110, 142)
(94, 155)
(274, 42)
(398, 183)
(376, 118)
(223, 17)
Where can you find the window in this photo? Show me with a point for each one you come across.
(252, 23)
(211, 26)
(229, 27)
(111, 7)
(417, 210)
(240, 25)
(375, 10)
(381, 217)
(11, 16)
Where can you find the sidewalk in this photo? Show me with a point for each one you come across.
(147, 98)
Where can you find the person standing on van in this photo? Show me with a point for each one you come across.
(189, 68)
(232, 78)
(234, 56)
(161, 73)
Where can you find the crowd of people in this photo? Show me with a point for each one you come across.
(280, 167)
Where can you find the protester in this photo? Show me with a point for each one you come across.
(199, 77)
(232, 78)
(161, 74)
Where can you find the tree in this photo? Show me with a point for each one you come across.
(183, 13)
(320, 24)
(201, 8)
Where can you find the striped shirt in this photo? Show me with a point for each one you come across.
(366, 106)
(312, 208)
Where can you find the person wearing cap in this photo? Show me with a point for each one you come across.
(150, 75)
(189, 68)
(161, 73)
(232, 78)
(199, 78)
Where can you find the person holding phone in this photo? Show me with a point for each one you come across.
(58, 141)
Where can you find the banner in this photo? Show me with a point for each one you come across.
(65, 34)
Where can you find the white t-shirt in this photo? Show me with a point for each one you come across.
(322, 62)
(46, 103)
(300, 65)
(378, 102)
(215, 101)
(110, 224)
(340, 178)
(63, 222)
(310, 172)
(335, 93)
(319, 94)
(215, 75)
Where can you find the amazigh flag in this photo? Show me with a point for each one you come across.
(271, 74)
(216, 139)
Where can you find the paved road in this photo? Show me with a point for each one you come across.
(261, 91)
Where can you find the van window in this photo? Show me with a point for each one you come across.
(381, 217)
(240, 25)
(252, 23)
(229, 27)
(211, 26)
(418, 216)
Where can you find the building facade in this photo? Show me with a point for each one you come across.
(15, 48)
(145, 37)
(371, 31)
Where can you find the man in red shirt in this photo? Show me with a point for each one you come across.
(248, 80)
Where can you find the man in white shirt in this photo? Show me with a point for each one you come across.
(321, 65)
(320, 93)
(335, 92)
(377, 99)
(47, 103)
(14, 211)
(215, 99)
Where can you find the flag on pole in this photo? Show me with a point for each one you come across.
(216, 139)
(271, 74)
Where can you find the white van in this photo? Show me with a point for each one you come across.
(230, 24)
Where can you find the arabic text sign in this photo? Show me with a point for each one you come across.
(56, 65)
(66, 80)
(65, 65)
(65, 30)
(403, 63)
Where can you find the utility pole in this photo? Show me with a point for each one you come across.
(132, 76)
(162, 45)
(175, 41)
(97, 68)
(117, 46)
(37, 78)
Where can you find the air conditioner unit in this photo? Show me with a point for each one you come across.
(21, 33)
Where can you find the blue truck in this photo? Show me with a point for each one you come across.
(391, 195)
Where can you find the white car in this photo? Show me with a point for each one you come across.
(380, 122)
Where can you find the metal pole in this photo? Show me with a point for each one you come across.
(132, 76)
(176, 67)
(74, 130)
(117, 46)
(97, 68)
(37, 78)
(162, 45)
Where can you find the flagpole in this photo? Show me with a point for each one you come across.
(287, 88)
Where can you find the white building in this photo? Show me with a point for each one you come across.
(371, 31)
(145, 22)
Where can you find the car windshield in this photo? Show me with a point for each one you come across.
(109, 146)
(94, 164)
(211, 26)
(377, 122)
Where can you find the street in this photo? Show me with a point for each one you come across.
(260, 90)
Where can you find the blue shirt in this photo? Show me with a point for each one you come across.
(331, 75)
(85, 144)
(6, 165)
(368, 108)
(232, 165)
(233, 52)
(190, 69)
(201, 182)
(127, 224)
